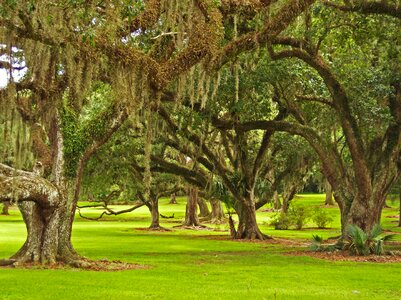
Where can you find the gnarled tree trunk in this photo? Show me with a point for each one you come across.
(43, 207)
(359, 211)
(248, 227)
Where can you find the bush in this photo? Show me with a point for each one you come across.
(280, 221)
(298, 216)
(321, 218)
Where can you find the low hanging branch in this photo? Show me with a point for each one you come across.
(105, 204)
(167, 217)
(108, 212)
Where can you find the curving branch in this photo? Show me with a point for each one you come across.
(115, 124)
(369, 8)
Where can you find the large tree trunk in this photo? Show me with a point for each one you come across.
(248, 227)
(191, 216)
(203, 208)
(6, 206)
(43, 208)
(358, 211)
(217, 211)
(329, 193)
(49, 235)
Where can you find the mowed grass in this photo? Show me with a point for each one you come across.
(186, 264)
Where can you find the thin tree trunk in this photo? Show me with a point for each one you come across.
(191, 216)
(217, 211)
(173, 199)
(203, 208)
(287, 198)
(329, 194)
(154, 211)
(399, 217)
(276, 201)
(6, 206)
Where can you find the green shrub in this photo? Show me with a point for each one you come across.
(298, 216)
(321, 218)
(280, 221)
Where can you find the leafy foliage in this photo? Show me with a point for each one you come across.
(280, 221)
(298, 216)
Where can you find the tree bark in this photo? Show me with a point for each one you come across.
(203, 208)
(217, 211)
(173, 199)
(276, 201)
(359, 211)
(191, 216)
(43, 208)
(248, 227)
(329, 193)
(288, 195)
(6, 206)
(399, 217)
(154, 211)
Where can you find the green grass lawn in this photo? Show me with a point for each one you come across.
(184, 264)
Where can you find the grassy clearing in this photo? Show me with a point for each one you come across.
(195, 264)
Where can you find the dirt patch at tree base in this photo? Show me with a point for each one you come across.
(160, 229)
(268, 240)
(345, 256)
(85, 265)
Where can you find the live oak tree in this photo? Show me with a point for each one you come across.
(235, 157)
(360, 159)
(66, 48)
(137, 50)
